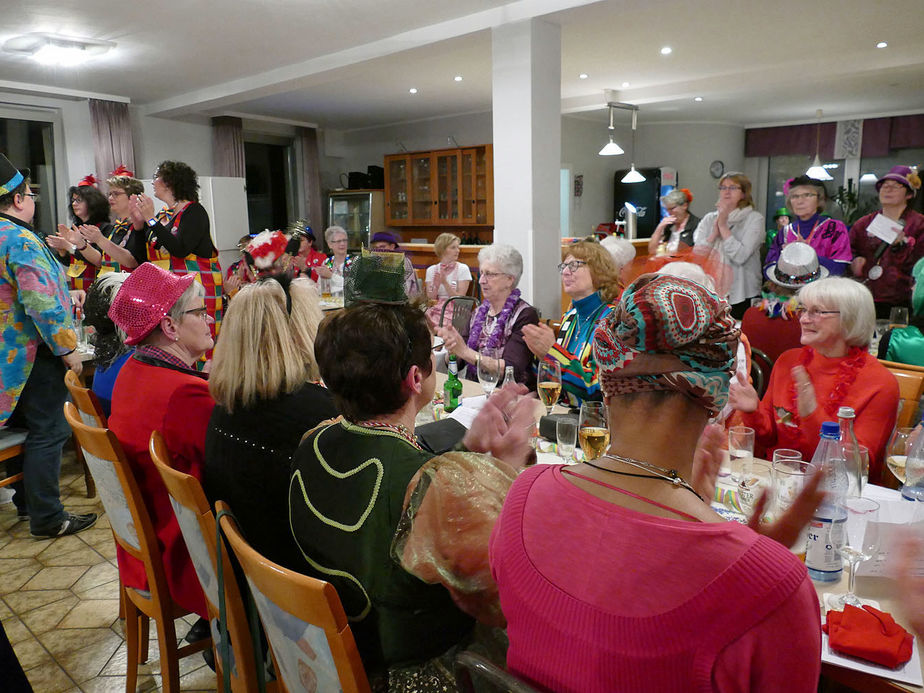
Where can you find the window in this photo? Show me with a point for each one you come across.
(782, 168)
(270, 196)
(30, 144)
(878, 167)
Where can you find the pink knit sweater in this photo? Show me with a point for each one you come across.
(601, 598)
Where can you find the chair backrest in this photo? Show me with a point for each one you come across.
(118, 490)
(91, 413)
(762, 364)
(474, 672)
(910, 388)
(197, 523)
(303, 619)
(462, 307)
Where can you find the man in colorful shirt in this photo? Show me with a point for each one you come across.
(40, 344)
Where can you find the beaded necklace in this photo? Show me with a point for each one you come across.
(478, 326)
(847, 371)
(399, 429)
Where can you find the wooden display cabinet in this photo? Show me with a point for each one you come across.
(445, 187)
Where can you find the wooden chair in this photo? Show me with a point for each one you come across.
(476, 673)
(134, 532)
(197, 523)
(11, 442)
(92, 415)
(462, 307)
(910, 388)
(761, 365)
(303, 619)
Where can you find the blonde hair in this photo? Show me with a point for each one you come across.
(442, 243)
(744, 183)
(603, 271)
(265, 351)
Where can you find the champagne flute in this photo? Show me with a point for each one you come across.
(858, 542)
(489, 370)
(593, 430)
(897, 452)
(549, 383)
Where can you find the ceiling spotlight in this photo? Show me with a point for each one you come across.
(583, 75)
(698, 99)
(458, 78)
(625, 85)
(412, 90)
(882, 44)
(667, 50)
(55, 49)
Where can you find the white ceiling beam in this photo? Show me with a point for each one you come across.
(45, 90)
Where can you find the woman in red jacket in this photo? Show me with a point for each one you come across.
(158, 389)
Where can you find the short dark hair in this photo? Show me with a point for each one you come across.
(97, 204)
(180, 178)
(6, 201)
(364, 354)
(808, 181)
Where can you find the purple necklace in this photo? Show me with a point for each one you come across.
(495, 338)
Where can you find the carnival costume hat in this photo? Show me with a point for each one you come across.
(901, 174)
(804, 180)
(300, 228)
(782, 212)
(386, 237)
(796, 267)
(375, 277)
(668, 333)
(10, 176)
(265, 250)
(145, 298)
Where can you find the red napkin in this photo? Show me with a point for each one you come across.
(869, 634)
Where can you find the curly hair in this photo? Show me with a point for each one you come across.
(108, 339)
(180, 178)
(365, 352)
(603, 271)
(97, 204)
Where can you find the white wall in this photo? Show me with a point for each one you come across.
(580, 142)
(160, 139)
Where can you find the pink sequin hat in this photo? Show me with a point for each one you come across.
(145, 298)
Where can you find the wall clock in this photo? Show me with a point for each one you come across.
(716, 169)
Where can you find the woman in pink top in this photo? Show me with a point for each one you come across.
(616, 574)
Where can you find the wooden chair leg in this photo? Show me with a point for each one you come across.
(144, 643)
(169, 661)
(132, 618)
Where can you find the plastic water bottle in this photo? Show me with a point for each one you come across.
(914, 466)
(826, 530)
(858, 473)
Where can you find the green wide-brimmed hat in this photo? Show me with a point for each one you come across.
(782, 212)
(375, 277)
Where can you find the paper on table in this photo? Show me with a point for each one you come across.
(466, 413)
(894, 516)
(910, 672)
(884, 228)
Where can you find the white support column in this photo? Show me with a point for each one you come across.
(527, 153)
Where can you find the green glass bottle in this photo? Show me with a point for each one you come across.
(452, 390)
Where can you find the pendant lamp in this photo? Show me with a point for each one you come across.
(633, 176)
(816, 170)
(611, 148)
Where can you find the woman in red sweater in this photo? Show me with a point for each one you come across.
(832, 369)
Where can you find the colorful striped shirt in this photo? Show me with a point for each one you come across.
(574, 350)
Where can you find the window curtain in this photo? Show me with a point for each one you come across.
(880, 136)
(112, 137)
(228, 146)
(308, 139)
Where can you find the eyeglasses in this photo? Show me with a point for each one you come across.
(198, 312)
(491, 275)
(338, 240)
(115, 193)
(729, 188)
(31, 194)
(802, 196)
(890, 185)
(815, 313)
(572, 266)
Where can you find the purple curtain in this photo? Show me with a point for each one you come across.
(112, 137)
(880, 136)
(308, 137)
(228, 146)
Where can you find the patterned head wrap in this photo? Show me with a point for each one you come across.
(668, 333)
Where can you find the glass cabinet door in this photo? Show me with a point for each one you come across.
(421, 192)
(467, 187)
(447, 186)
(397, 202)
(481, 188)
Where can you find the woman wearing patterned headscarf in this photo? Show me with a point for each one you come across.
(665, 356)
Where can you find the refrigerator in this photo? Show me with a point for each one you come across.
(360, 212)
(645, 196)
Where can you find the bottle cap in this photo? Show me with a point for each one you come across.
(831, 429)
(846, 413)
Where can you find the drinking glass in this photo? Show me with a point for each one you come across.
(566, 437)
(489, 370)
(859, 542)
(593, 430)
(324, 285)
(856, 479)
(788, 476)
(549, 383)
(740, 450)
(897, 452)
(898, 317)
(752, 482)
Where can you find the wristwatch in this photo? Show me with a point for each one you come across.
(152, 222)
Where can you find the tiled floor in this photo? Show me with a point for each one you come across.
(59, 603)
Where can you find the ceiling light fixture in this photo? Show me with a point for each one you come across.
(868, 177)
(698, 99)
(633, 176)
(611, 148)
(412, 90)
(882, 44)
(458, 78)
(55, 49)
(667, 50)
(625, 85)
(816, 170)
(583, 75)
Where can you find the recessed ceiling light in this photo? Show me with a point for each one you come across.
(882, 44)
(583, 75)
(412, 90)
(697, 99)
(667, 50)
(625, 85)
(54, 49)
(458, 78)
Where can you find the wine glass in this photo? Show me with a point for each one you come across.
(898, 317)
(489, 370)
(549, 384)
(897, 452)
(858, 542)
(566, 436)
(593, 430)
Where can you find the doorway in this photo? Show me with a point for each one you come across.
(269, 174)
